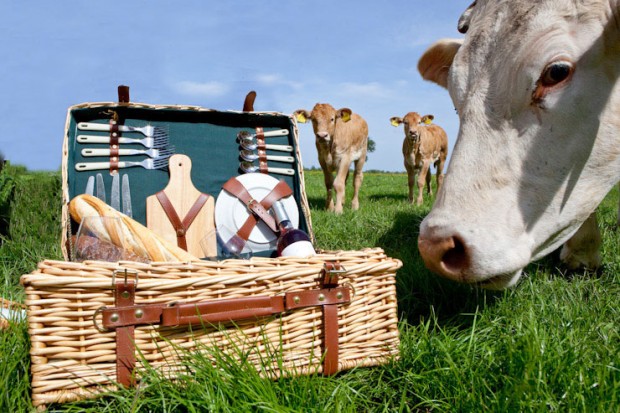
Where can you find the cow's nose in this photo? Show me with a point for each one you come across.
(322, 135)
(447, 256)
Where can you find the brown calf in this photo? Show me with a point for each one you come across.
(424, 144)
(341, 138)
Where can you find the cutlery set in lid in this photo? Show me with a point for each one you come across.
(113, 147)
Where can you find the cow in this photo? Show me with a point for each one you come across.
(535, 85)
(341, 138)
(424, 144)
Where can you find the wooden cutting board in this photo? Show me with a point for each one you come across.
(182, 195)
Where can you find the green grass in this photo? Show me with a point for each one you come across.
(550, 344)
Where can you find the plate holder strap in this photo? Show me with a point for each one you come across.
(179, 226)
(124, 295)
(258, 210)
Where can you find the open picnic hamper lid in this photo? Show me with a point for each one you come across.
(207, 136)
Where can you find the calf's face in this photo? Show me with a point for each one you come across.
(324, 120)
(412, 124)
(535, 86)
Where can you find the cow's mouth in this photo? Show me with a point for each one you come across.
(501, 281)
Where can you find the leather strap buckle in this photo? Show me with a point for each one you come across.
(125, 272)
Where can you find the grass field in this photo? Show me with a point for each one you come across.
(550, 344)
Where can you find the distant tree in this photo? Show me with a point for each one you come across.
(371, 145)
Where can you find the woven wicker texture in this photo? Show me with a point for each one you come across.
(72, 360)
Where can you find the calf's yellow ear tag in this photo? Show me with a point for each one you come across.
(300, 117)
(428, 121)
(394, 122)
(346, 116)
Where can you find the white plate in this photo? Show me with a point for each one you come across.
(231, 213)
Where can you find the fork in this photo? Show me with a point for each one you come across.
(153, 153)
(157, 142)
(149, 163)
(149, 131)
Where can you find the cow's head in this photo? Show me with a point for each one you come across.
(324, 118)
(412, 122)
(535, 86)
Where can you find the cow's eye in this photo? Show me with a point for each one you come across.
(555, 73)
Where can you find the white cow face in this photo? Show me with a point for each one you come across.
(535, 86)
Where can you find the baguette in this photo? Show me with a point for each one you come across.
(130, 234)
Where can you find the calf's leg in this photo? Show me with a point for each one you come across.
(358, 178)
(329, 184)
(410, 180)
(339, 184)
(439, 165)
(429, 190)
(422, 179)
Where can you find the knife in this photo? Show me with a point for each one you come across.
(90, 186)
(126, 197)
(100, 188)
(115, 195)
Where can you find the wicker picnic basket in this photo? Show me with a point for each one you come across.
(95, 325)
(74, 356)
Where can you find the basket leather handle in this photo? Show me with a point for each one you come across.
(211, 312)
(218, 311)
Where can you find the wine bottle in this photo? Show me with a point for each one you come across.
(292, 242)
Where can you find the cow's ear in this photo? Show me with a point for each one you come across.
(302, 115)
(345, 114)
(395, 121)
(465, 18)
(427, 119)
(434, 65)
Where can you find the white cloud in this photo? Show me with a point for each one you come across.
(205, 89)
(275, 79)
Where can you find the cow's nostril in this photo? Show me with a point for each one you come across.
(455, 259)
(447, 256)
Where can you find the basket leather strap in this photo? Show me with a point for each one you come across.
(124, 295)
(329, 280)
(114, 135)
(179, 226)
(262, 155)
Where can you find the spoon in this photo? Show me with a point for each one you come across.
(250, 156)
(248, 167)
(252, 146)
(247, 136)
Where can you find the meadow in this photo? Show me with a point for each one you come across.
(552, 343)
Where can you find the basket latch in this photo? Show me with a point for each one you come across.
(330, 273)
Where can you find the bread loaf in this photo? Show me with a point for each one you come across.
(128, 234)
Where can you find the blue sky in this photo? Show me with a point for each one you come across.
(356, 54)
